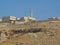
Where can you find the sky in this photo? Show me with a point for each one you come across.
(41, 9)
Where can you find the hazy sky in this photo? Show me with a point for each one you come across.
(41, 9)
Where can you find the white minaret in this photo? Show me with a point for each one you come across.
(31, 13)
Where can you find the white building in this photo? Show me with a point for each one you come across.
(25, 19)
(28, 18)
(54, 19)
(10, 19)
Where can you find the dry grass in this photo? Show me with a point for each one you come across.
(39, 38)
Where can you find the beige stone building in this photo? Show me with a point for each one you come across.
(9, 19)
(28, 18)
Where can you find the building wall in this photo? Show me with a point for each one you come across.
(19, 22)
(8, 18)
(26, 19)
(12, 18)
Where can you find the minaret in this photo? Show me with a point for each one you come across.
(31, 13)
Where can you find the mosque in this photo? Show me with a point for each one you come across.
(13, 19)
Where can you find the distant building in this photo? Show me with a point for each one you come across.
(9, 19)
(28, 18)
(54, 19)
(13, 19)
(25, 19)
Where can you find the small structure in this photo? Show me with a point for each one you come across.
(9, 19)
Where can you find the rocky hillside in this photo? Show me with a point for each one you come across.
(37, 38)
(49, 34)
